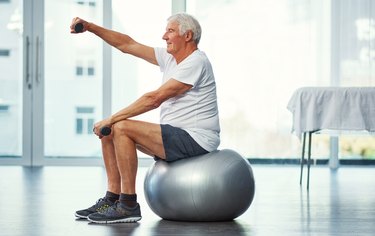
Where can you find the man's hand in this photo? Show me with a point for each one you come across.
(76, 21)
(99, 125)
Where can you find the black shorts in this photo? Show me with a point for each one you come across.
(178, 144)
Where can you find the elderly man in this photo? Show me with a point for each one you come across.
(189, 119)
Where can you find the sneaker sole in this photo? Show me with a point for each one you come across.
(126, 220)
(80, 216)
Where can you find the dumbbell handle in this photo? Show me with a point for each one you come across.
(105, 131)
(78, 28)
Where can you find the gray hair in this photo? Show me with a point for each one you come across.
(187, 22)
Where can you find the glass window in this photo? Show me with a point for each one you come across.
(90, 71)
(79, 70)
(84, 120)
(79, 126)
(357, 65)
(71, 105)
(87, 2)
(131, 76)
(90, 125)
(85, 110)
(90, 68)
(4, 53)
(357, 38)
(261, 51)
(85, 69)
(264, 50)
(11, 72)
(4, 108)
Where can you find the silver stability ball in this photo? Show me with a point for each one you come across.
(218, 186)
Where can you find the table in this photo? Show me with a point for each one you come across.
(330, 108)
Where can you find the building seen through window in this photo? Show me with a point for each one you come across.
(84, 120)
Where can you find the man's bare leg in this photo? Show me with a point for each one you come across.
(114, 181)
(111, 167)
(127, 135)
(127, 162)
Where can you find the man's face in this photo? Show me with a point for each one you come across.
(172, 37)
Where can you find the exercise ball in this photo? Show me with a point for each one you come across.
(218, 186)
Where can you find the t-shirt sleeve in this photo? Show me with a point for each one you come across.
(161, 55)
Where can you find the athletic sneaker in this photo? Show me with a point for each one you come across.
(100, 206)
(117, 213)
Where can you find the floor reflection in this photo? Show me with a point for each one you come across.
(165, 227)
(118, 229)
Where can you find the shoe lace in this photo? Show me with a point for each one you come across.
(101, 208)
(99, 201)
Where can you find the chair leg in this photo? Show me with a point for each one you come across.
(308, 160)
(302, 157)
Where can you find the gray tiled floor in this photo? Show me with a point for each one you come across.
(42, 201)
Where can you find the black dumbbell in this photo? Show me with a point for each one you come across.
(78, 28)
(105, 131)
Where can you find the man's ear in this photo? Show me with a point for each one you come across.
(188, 36)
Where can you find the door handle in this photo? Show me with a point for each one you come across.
(28, 80)
(37, 61)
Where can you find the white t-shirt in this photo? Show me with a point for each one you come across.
(196, 110)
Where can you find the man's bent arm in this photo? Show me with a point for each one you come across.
(151, 100)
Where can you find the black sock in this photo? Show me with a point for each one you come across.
(112, 197)
(129, 200)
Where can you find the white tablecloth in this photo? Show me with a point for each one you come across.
(333, 108)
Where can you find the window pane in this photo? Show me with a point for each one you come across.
(67, 55)
(261, 52)
(357, 37)
(79, 70)
(4, 108)
(276, 46)
(90, 71)
(11, 72)
(88, 110)
(90, 125)
(4, 52)
(357, 64)
(79, 126)
(133, 77)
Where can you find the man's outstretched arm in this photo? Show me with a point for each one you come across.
(118, 40)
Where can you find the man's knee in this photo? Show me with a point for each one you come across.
(121, 127)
